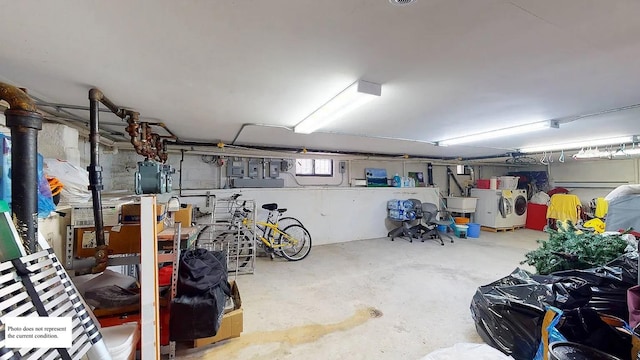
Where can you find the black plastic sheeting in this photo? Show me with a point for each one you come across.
(508, 313)
(203, 288)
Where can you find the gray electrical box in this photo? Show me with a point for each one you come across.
(274, 169)
(235, 168)
(342, 167)
(153, 178)
(254, 168)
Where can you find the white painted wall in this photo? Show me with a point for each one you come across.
(333, 215)
(589, 177)
(331, 209)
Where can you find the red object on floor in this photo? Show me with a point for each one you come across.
(164, 275)
(536, 216)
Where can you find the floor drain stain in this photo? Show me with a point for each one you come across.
(375, 313)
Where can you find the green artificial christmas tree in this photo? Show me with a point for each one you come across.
(570, 249)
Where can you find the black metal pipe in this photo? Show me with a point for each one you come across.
(24, 173)
(95, 170)
(25, 122)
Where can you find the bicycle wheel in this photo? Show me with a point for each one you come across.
(288, 220)
(294, 243)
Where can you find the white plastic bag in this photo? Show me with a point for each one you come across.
(623, 190)
(467, 351)
(541, 198)
(74, 179)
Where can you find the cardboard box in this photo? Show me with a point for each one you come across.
(126, 240)
(232, 322)
(131, 214)
(184, 215)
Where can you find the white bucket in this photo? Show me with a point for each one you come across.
(493, 183)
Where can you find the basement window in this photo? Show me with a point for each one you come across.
(314, 167)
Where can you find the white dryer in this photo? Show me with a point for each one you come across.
(500, 208)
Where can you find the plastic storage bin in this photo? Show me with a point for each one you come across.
(474, 230)
(483, 183)
(508, 182)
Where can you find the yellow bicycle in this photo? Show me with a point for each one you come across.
(285, 237)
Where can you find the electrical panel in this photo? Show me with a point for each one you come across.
(274, 169)
(235, 168)
(254, 168)
(342, 167)
(284, 165)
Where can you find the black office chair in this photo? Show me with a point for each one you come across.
(407, 229)
(428, 228)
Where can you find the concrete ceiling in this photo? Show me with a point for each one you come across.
(447, 67)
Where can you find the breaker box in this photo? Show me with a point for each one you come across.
(274, 169)
(254, 168)
(235, 168)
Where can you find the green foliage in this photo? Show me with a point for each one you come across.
(570, 250)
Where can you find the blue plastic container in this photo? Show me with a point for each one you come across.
(442, 228)
(473, 231)
(5, 168)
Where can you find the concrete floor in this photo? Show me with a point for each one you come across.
(369, 299)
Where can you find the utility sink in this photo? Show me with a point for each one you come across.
(461, 204)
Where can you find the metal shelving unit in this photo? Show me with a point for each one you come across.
(224, 230)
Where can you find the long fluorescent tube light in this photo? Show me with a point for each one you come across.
(580, 144)
(349, 99)
(514, 130)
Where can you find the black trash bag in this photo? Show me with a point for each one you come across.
(202, 290)
(586, 327)
(202, 270)
(508, 313)
(609, 284)
(195, 317)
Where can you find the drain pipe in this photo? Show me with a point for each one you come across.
(95, 178)
(24, 122)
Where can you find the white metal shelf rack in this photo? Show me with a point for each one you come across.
(223, 230)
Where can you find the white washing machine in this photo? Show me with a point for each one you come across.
(500, 208)
(519, 214)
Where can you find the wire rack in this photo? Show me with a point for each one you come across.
(224, 230)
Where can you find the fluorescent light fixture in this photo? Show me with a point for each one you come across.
(349, 99)
(514, 130)
(580, 144)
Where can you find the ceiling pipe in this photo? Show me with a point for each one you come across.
(24, 121)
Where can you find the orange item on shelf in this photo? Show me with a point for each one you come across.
(55, 185)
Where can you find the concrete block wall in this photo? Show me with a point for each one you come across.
(59, 142)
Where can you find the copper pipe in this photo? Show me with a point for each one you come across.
(17, 99)
(98, 95)
(25, 122)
